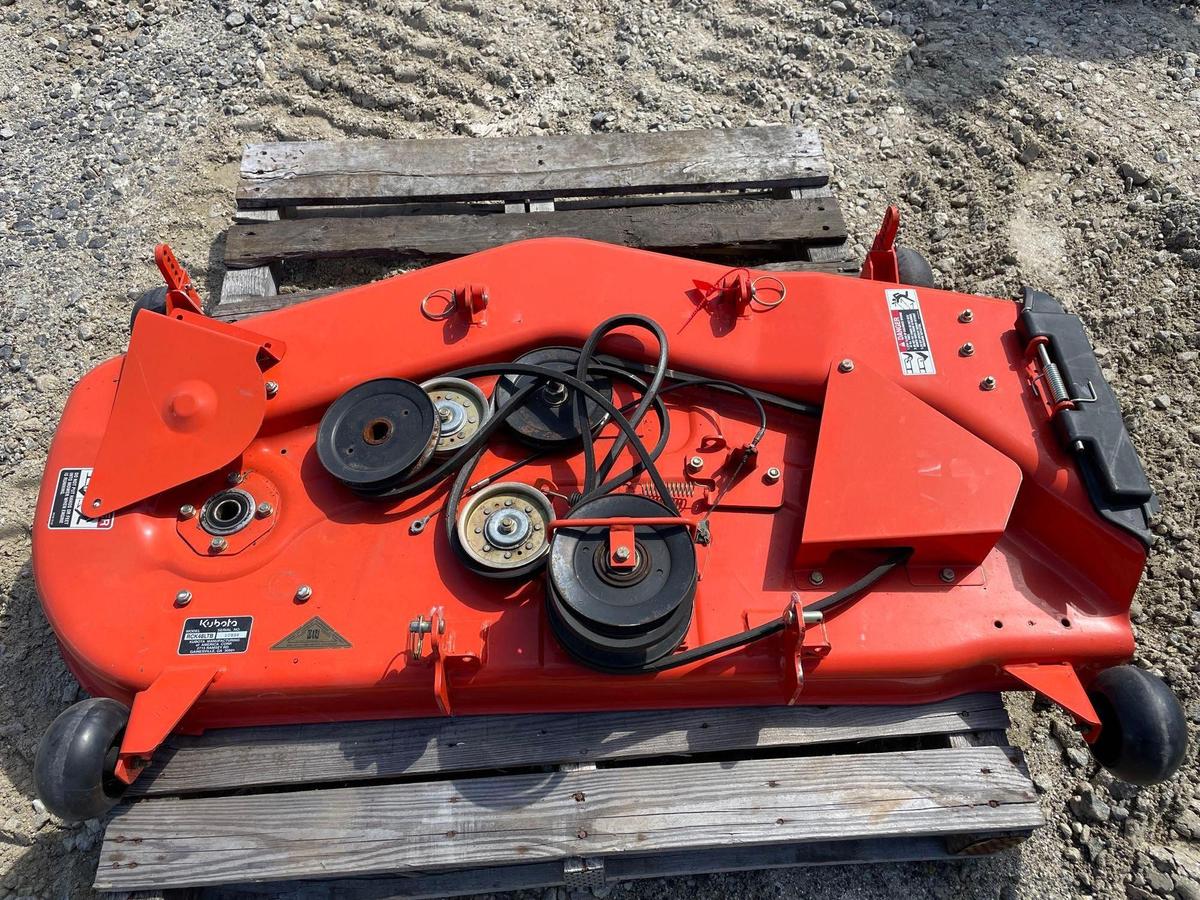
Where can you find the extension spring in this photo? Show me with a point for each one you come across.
(679, 490)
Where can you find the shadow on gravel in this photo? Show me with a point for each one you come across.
(967, 51)
(38, 687)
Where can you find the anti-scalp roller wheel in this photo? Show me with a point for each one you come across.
(547, 418)
(377, 434)
(76, 759)
(621, 618)
(1143, 730)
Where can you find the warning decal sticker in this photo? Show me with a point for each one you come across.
(908, 327)
(215, 634)
(66, 509)
(315, 634)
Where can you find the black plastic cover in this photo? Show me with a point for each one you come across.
(1095, 432)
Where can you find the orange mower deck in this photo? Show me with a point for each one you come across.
(917, 431)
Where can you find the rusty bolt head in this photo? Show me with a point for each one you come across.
(846, 365)
(217, 544)
(967, 349)
(183, 598)
(966, 316)
(187, 511)
(272, 388)
(947, 574)
(988, 384)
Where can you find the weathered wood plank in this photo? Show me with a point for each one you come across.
(530, 167)
(256, 282)
(248, 757)
(256, 215)
(555, 815)
(837, 266)
(617, 868)
(230, 309)
(986, 738)
(751, 226)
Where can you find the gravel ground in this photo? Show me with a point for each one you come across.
(1054, 144)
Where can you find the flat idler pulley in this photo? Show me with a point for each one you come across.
(377, 434)
(621, 618)
(503, 530)
(461, 408)
(547, 418)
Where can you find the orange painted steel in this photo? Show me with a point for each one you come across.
(976, 480)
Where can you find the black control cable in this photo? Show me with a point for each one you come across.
(734, 641)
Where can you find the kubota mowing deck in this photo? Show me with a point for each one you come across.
(568, 476)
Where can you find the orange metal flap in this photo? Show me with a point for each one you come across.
(190, 400)
(891, 471)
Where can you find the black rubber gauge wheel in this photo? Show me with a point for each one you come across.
(154, 300)
(1143, 731)
(618, 619)
(914, 268)
(547, 417)
(377, 434)
(73, 769)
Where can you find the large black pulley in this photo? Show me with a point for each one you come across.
(377, 434)
(547, 418)
(621, 618)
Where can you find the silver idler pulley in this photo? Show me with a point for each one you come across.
(505, 525)
(461, 408)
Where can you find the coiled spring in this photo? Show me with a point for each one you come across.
(679, 490)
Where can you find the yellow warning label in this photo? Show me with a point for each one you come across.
(315, 634)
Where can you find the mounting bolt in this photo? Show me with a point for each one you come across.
(187, 511)
(621, 553)
(235, 478)
(988, 384)
(264, 509)
(772, 475)
(303, 593)
(695, 464)
(183, 598)
(217, 544)
(947, 574)
(967, 349)
(966, 317)
(846, 365)
(272, 388)
(816, 578)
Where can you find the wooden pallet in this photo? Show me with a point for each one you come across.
(446, 806)
(748, 195)
(469, 805)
